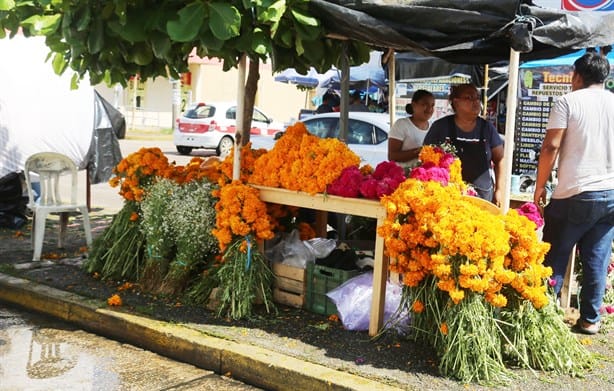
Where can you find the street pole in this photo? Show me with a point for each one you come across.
(176, 109)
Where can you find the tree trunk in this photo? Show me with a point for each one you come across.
(251, 87)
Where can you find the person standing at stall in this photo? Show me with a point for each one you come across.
(407, 134)
(580, 133)
(478, 145)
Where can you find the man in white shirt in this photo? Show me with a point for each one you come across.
(580, 133)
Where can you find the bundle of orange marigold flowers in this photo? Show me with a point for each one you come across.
(474, 282)
(301, 161)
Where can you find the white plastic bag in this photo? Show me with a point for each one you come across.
(321, 247)
(353, 301)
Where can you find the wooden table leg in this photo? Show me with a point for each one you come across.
(321, 223)
(380, 276)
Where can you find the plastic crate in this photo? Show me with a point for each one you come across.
(321, 280)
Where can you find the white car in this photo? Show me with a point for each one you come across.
(367, 134)
(213, 126)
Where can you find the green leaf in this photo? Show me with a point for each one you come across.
(286, 38)
(134, 31)
(42, 25)
(305, 19)
(84, 19)
(211, 43)
(307, 32)
(298, 45)
(141, 54)
(95, 39)
(6, 5)
(190, 21)
(260, 43)
(273, 13)
(224, 20)
(161, 45)
(59, 64)
(74, 81)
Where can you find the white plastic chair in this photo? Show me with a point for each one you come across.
(50, 167)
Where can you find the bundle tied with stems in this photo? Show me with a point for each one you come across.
(243, 274)
(468, 273)
(118, 253)
(177, 223)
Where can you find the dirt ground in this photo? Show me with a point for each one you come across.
(390, 359)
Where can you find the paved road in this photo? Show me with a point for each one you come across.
(37, 353)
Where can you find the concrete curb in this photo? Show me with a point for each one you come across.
(248, 363)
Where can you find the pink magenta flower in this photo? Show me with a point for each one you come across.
(430, 172)
(389, 169)
(347, 184)
(530, 211)
(368, 188)
(551, 282)
(446, 160)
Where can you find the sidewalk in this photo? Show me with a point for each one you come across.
(294, 349)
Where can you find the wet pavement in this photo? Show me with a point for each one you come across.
(38, 353)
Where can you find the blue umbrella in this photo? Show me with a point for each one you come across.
(291, 76)
(362, 76)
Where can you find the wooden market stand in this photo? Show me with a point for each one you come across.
(323, 204)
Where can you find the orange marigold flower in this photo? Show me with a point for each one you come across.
(417, 306)
(444, 328)
(125, 286)
(333, 318)
(134, 216)
(114, 301)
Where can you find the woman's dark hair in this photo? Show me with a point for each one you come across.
(416, 97)
(592, 67)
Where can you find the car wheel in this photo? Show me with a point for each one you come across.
(225, 146)
(184, 150)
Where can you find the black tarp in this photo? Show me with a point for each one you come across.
(466, 31)
(104, 153)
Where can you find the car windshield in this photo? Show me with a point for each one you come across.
(200, 111)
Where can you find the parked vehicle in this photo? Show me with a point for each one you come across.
(367, 134)
(213, 126)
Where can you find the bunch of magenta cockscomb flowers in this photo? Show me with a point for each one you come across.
(365, 183)
(475, 284)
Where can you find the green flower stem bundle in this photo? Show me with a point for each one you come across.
(191, 216)
(244, 277)
(540, 339)
(470, 347)
(118, 252)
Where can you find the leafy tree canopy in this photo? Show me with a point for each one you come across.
(114, 39)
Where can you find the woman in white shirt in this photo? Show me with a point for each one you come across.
(406, 135)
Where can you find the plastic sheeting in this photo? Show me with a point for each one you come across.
(466, 32)
(39, 112)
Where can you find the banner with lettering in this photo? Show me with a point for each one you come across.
(541, 83)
